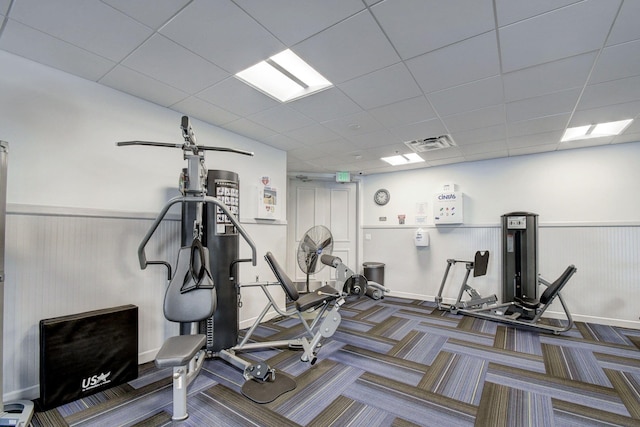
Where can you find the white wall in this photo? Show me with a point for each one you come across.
(78, 206)
(591, 184)
(589, 215)
(63, 131)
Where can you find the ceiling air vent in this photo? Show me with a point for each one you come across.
(430, 144)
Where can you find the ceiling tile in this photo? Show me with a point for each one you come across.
(420, 130)
(326, 105)
(534, 149)
(606, 113)
(91, 25)
(382, 87)
(543, 138)
(626, 27)
(313, 134)
(404, 112)
(144, 87)
(374, 139)
(614, 92)
(333, 162)
(510, 11)
(540, 124)
(542, 106)
(45, 49)
(307, 152)
(280, 119)
(550, 77)
(152, 13)
(340, 149)
(249, 129)
(294, 165)
(376, 153)
(617, 62)
(484, 147)
(236, 97)
(463, 62)
(196, 107)
(470, 96)
(572, 30)
(212, 25)
(354, 124)
(418, 26)
(167, 61)
(486, 155)
(281, 142)
(480, 135)
(294, 21)
(349, 49)
(489, 116)
(445, 153)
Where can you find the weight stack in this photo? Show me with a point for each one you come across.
(223, 243)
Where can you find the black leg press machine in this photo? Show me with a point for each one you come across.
(204, 297)
(520, 306)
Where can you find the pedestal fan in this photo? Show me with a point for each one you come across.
(317, 241)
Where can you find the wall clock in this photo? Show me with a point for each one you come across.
(382, 197)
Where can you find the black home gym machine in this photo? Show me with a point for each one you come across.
(203, 295)
(520, 305)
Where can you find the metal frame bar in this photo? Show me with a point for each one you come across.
(489, 313)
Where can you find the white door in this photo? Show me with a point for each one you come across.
(325, 203)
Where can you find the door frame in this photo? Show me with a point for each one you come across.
(291, 198)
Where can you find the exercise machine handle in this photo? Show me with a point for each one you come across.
(184, 146)
(200, 199)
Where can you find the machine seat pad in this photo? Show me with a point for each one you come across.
(179, 350)
(313, 300)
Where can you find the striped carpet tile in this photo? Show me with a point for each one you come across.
(403, 363)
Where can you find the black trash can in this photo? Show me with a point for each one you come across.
(374, 272)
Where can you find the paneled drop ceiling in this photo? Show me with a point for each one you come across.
(502, 77)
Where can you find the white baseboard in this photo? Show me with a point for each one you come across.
(29, 393)
(147, 356)
(621, 323)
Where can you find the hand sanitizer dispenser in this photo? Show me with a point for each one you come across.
(421, 238)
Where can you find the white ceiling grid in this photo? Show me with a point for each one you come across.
(502, 77)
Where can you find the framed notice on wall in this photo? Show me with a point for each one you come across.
(267, 202)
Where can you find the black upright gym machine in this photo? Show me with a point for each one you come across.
(520, 280)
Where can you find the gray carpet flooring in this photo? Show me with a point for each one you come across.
(400, 362)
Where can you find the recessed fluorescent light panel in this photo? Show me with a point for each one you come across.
(403, 159)
(598, 130)
(284, 77)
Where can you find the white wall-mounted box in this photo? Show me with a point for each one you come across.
(448, 208)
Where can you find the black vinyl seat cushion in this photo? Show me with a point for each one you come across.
(315, 299)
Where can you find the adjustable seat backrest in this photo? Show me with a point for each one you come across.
(197, 303)
(552, 290)
(282, 277)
